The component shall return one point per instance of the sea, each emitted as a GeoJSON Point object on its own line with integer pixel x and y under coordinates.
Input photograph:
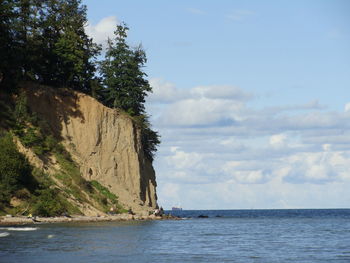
{"type": "Point", "coordinates": [308, 235]}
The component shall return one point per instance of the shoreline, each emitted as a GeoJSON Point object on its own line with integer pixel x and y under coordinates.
{"type": "Point", "coordinates": [23, 220]}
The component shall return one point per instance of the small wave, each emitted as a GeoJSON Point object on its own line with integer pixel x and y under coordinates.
{"type": "Point", "coordinates": [50, 236]}
{"type": "Point", "coordinates": [21, 228]}
{"type": "Point", "coordinates": [4, 234]}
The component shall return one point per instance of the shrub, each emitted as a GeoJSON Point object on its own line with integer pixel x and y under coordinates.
{"type": "Point", "coordinates": [105, 192]}
{"type": "Point", "coordinates": [48, 203]}
{"type": "Point", "coordinates": [15, 170]}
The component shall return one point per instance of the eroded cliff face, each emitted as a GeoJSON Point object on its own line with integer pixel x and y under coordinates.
{"type": "Point", "coordinates": [105, 143]}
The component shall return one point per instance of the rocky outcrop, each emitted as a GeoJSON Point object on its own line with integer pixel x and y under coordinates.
{"type": "Point", "coordinates": [105, 143]}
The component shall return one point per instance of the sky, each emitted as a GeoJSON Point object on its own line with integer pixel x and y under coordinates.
{"type": "Point", "coordinates": [251, 98]}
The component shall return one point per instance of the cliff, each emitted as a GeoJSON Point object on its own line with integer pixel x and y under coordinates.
{"type": "Point", "coordinates": [104, 143]}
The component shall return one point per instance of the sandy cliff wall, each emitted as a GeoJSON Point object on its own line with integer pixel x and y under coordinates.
{"type": "Point", "coordinates": [105, 143]}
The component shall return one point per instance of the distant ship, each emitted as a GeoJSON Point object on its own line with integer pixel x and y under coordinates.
{"type": "Point", "coordinates": [176, 208]}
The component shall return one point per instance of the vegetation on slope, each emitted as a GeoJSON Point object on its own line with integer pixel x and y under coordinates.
{"type": "Point", "coordinates": [36, 190]}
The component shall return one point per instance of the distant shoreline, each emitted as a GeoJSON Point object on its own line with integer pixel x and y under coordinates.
{"type": "Point", "coordinates": [22, 220]}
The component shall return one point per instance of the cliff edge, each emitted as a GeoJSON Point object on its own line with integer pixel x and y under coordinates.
{"type": "Point", "coordinates": [104, 143]}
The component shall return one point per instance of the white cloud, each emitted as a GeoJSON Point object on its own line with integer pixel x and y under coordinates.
{"type": "Point", "coordinates": [171, 193]}
{"type": "Point", "coordinates": [183, 160]}
{"type": "Point", "coordinates": [278, 140]}
{"type": "Point", "coordinates": [251, 177]}
{"type": "Point", "coordinates": [103, 30]}
{"type": "Point", "coordinates": [317, 167]}
{"type": "Point", "coordinates": [164, 92]}
{"type": "Point", "coordinates": [206, 104]}
{"type": "Point", "coordinates": [221, 92]}
{"type": "Point", "coordinates": [249, 171]}
{"type": "Point", "coordinates": [202, 111]}
{"type": "Point", "coordinates": [326, 147]}
{"type": "Point", "coordinates": [347, 107]}
{"type": "Point", "coordinates": [167, 92]}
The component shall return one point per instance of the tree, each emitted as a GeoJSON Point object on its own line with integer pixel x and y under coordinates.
{"type": "Point", "coordinates": [45, 41]}
{"type": "Point", "coordinates": [69, 53]}
{"type": "Point", "coordinates": [8, 63]}
{"type": "Point", "coordinates": [124, 81]}
{"type": "Point", "coordinates": [150, 139]}
{"type": "Point", "coordinates": [125, 85]}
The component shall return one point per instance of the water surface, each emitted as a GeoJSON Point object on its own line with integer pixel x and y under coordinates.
{"type": "Point", "coordinates": [225, 236]}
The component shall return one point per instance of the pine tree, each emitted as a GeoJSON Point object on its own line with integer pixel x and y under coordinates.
{"type": "Point", "coordinates": [123, 78]}
{"type": "Point", "coordinates": [29, 37]}
{"type": "Point", "coordinates": [45, 41]}
{"type": "Point", "coordinates": [69, 52]}
{"type": "Point", "coordinates": [9, 71]}
{"type": "Point", "coordinates": [125, 85]}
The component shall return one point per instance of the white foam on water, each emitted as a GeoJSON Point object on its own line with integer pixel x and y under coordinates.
{"type": "Point", "coordinates": [50, 236]}
{"type": "Point", "coordinates": [4, 234]}
{"type": "Point", "coordinates": [21, 228]}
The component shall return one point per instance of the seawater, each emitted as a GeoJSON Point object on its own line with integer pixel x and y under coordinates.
{"type": "Point", "coordinates": [225, 236]}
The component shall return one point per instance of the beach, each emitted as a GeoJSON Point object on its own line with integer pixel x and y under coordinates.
{"type": "Point", "coordinates": [23, 220]}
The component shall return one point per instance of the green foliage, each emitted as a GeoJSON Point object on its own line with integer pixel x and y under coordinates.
{"type": "Point", "coordinates": [15, 171]}
{"type": "Point", "coordinates": [9, 72]}
{"type": "Point", "coordinates": [29, 135]}
{"type": "Point", "coordinates": [48, 203]}
{"type": "Point", "coordinates": [71, 178]}
{"type": "Point", "coordinates": [17, 178]}
{"type": "Point", "coordinates": [149, 138]}
{"type": "Point", "coordinates": [46, 200]}
{"type": "Point", "coordinates": [21, 109]}
{"type": "Point", "coordinates": [105, 197]}
{"type": "Point", "coordinates": [7, 119]}
{"type": "Point", "coordinates": [69, 168]}
{"type": "Point", "coordinates": [45, 41]}
{"type": "Point", "coordinates": [104, 191]}
{"type": "Point", "coordinates": [71, 50]}
{"type": "Point", "coordinates": [124, 81]}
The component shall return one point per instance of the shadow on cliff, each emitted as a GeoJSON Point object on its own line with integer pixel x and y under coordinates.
{"type": "Point", "coordinates": [54, 107]}
{"type": "Point", "coordinates": [146, 182]}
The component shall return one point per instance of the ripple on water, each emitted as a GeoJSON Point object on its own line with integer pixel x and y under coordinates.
{"type": "Point", "coordinates": [4, 234]}
{"type": "Point", "coordinates": [20, 228]}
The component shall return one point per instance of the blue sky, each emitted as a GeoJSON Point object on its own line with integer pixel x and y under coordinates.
{"type": "Point", "coordinates": [251, 98]}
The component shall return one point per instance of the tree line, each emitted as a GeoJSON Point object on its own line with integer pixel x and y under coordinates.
{"type": "Point", "coordinates": [46, 42]}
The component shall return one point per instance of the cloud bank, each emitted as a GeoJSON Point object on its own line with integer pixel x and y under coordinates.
{"type": "Point", "coordinates": [219, 151]}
